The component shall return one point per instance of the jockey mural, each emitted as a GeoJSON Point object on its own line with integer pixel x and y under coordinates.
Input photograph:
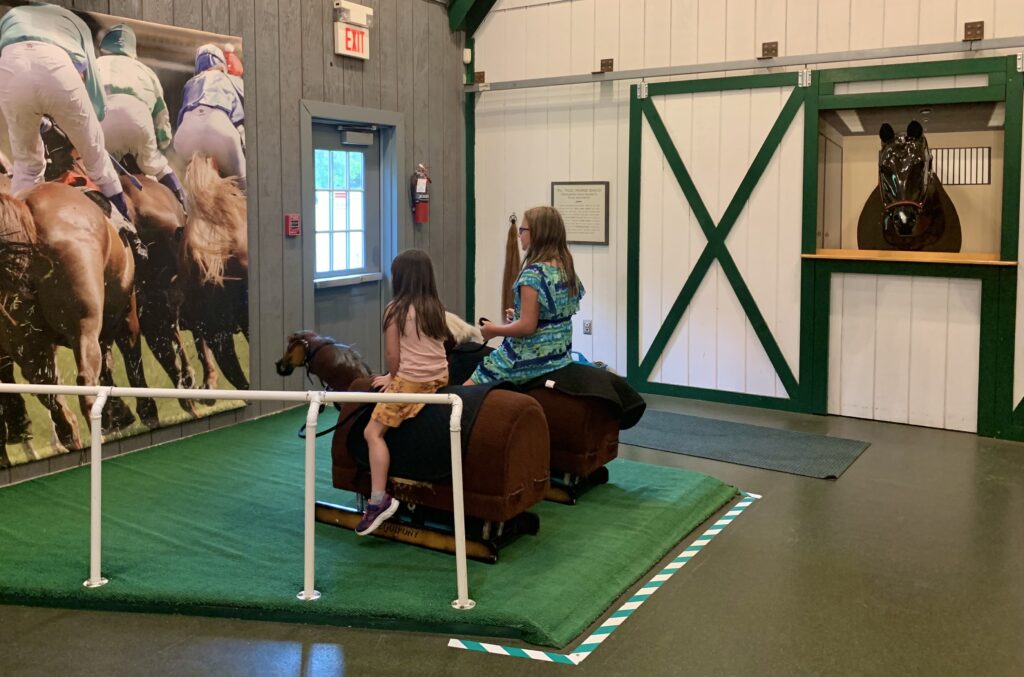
{"type": "Point", "coordinates": [123, 225]}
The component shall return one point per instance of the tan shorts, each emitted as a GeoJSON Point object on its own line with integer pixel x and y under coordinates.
{"type": "Point", "coordinates": [391, 414]}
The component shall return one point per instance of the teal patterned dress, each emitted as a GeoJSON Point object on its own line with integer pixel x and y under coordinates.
{"type": "Point", "coordinates": [522, 358]}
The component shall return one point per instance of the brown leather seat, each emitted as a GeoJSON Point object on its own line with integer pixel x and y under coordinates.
{"type": "Point", "coordinates": [584, 432]}
{"type": "Point", "coordinates": [505, 465]}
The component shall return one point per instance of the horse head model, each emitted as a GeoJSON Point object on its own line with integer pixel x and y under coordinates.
{"type": "Point", "coordinates": [336, 365]}
{"type": "Point", "coordinates": [910, 209]}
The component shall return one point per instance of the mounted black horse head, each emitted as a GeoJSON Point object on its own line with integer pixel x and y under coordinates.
{"type": "Point", "coordinates": [905, 182]}
{"type": "Point", "coordinates": [909, 209]}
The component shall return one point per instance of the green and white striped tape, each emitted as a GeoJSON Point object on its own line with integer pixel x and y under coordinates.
{"type": "Point", "coordinates": [618, 617]}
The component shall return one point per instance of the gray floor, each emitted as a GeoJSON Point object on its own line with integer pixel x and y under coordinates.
{"type": "Point", "coordinates": [912, 563]}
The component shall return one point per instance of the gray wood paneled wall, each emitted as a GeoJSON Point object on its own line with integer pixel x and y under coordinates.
{"type": "Point", "coordinates": [415, 68]}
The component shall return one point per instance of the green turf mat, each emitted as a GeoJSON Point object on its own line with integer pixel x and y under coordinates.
{"type": "Point", "coordinates": [212, 525]}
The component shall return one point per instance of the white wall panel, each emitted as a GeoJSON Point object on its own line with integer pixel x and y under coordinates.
{"type": "Point", "coordinates": [761, 225]}
{"type": "Point", "coordinates": [905, 349]}
{"type": "Point", "coordinates": [529, 138]}
{"type": "Point", "coordinates": [681, 232]}
{"type": "Point", "coordinates": [581, 131]}
{"type": "Point", "coordinates": [892, 348]}
{"type": "Point", "coordinates": [930, 308]}
{"type": "Point", "coordinates": [834, 26]}
{"type": "Point", "coordinates": [1009, 18]}
{"type": "Point", "coordinates": [802, 26]}
{"type": "Point", "coordinates": [964, 345]}
{"type": "Point", "coordinates": [652, 169]}
{"type": "Point", "coordinates": [787, 310]}
{"type": "Point", "coordinates": [734, 130]}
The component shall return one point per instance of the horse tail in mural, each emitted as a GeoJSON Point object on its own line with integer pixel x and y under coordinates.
{"type": "Point", "coordinates": [215, 228]}
{"type": "Point", "coordinates": [512, 266]}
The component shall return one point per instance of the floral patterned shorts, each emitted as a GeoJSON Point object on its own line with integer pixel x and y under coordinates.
{"type": "Point", "coordinates": [392, 414]}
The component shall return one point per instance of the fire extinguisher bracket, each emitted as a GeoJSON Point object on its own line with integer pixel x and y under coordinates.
{"type": "Point", "coordinates": [419, 188]}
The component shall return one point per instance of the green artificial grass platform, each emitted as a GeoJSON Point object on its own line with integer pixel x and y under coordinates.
{"type": "Point", "coordinates": [212, 525]}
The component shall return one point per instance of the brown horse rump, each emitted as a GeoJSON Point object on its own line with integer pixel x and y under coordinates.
{"type": "Point", "coordinates": [420, 448]}
{"type": "Point", "coordinates": [580, 380]}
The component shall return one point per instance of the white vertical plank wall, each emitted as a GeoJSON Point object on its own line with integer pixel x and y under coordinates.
{"type": "Point", "coordinates": [527, 139]}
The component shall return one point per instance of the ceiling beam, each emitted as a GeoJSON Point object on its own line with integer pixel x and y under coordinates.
{"type": "Point", "coordinates": [458, 10]}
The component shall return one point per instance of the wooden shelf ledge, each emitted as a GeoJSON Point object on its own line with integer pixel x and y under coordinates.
{"type": "Point", "coordinates": [968, 258]}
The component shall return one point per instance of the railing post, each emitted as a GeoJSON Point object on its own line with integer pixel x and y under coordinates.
{"type": "Point", "coordinates": [455, 426]}
{"type": "Point", "coordinates": [96, 491]}
{"type": "Point", "coordinates": [309, 593]}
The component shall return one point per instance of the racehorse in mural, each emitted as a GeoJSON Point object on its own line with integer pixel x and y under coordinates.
{"type": "Point", "coordinates": [215, 268]}
{"type": "Point", "coordinates": [66, 279]}
{"type": "Point", "coordinates": [160, 220]}
{"type": "Point", "coordinates": [909, 210]}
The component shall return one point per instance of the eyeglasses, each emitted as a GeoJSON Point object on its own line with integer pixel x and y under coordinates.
{"type": "Point", "coordinates": [524, 229]}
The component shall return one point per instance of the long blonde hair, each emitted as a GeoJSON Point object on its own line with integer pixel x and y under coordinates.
{"type": "Point", "coordinates": [547, 243]}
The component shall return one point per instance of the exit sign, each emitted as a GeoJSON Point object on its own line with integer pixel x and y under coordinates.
{"type": "Point", "coordinates": [351, 40]}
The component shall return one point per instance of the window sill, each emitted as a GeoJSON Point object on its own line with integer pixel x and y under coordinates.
{"type": "Point", "coordinates": [346, 280]}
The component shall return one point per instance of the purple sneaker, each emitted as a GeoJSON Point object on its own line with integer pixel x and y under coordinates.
{"type": "Point", "coordinates": [375, 515]}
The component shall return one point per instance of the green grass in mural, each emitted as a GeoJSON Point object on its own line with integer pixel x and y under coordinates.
{"type": "Point", "coordinates": [170, 412]}
{"type": "Point", "coordinates": [213, 525]}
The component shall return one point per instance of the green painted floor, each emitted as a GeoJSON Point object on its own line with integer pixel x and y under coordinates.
{"type": "Point", "coordinates": [911, 564]}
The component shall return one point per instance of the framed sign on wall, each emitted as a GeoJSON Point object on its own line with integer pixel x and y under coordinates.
{"type": "Point", "coordinates": [584, 208]}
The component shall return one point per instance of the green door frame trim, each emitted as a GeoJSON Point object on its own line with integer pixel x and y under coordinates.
{"type": "Point", "coordinates": [638, 370]}
{"type": "Point", "coordinates": [997, 415]}
{"type": "Point", "coordinates": [998, 302]}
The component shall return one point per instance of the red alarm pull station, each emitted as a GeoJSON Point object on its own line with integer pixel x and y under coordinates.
{"type": "Point", "coordinates": [292, 226]}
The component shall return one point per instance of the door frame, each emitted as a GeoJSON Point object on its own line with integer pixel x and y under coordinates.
{"type": "Point", "coordinates": [391, 131]}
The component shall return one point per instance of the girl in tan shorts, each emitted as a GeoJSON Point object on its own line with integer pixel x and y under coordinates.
{"type": "Point", "coordinates": [414, 334]}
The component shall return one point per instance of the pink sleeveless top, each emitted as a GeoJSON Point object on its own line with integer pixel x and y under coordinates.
{"type": "Point", "coordinates": [421, 358]}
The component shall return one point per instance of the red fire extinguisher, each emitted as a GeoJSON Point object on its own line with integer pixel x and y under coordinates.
{"type": "Point", "coordinates": [420, 195]}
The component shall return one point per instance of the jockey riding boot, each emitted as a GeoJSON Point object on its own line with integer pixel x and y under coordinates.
{"type": "Point", "coordinates": [126, 229]}
{"type": "Point", "coordinates": [171, 181]}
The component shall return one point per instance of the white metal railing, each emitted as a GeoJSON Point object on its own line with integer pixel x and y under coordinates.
{"type": "Point", "coordinates": [315, 399]}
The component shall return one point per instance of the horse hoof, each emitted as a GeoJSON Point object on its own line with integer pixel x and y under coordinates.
{"type": "Point", "coordinates": [122, 421]}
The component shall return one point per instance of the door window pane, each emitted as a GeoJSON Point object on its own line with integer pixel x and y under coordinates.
{"type": "Point", "coordinates": [340, 252]}
{"type": "Point", "coordinates": [323, 210]}
{"type": "Point", "coordinates": [340, 204]}
{"type": "Point", "coordinates": [355, 170]}
{"type": "Point", "coordinates": [356, 250]}
{"type": "Point", "coordinates": [323, 252]}
{"type": "Point", "coordinates": [338, 176]}
{"type": "Point", "coordinates": [355, 210]}
{"type": "Point", "coordinates": [322, 168]}
{"type": "Point", "coordinates": [340, 211]}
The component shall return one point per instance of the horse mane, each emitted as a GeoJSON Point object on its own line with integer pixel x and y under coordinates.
{"type": "Point", "coordinates": [512, 266]}
{"type": "Point", "coordinates": [16, 222]}
{"type": "Point", "coordinates": [217, 213]}
{"type": "Point", "coordinates": [461, 331]}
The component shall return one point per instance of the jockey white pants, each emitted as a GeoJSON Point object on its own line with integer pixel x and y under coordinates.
{"type": "Point", "coordinates": [128, 128]}
{"type": "Point", "coordinates": [38, 78]}
{"type": "Point", "coordinates": [209, 131]}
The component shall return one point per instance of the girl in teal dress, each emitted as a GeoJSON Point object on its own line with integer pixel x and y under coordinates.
{"type": "Point", "coordinates": [547, 293]}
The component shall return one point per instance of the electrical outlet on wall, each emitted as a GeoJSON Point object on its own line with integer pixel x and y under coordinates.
{"type": "Point", "coordinates": [588, 327]}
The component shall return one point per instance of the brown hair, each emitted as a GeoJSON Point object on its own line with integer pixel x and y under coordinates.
{"type": "Point", "coordinates": [412, 284]}
{"type": "Point", "coordinates": [547, 243]}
